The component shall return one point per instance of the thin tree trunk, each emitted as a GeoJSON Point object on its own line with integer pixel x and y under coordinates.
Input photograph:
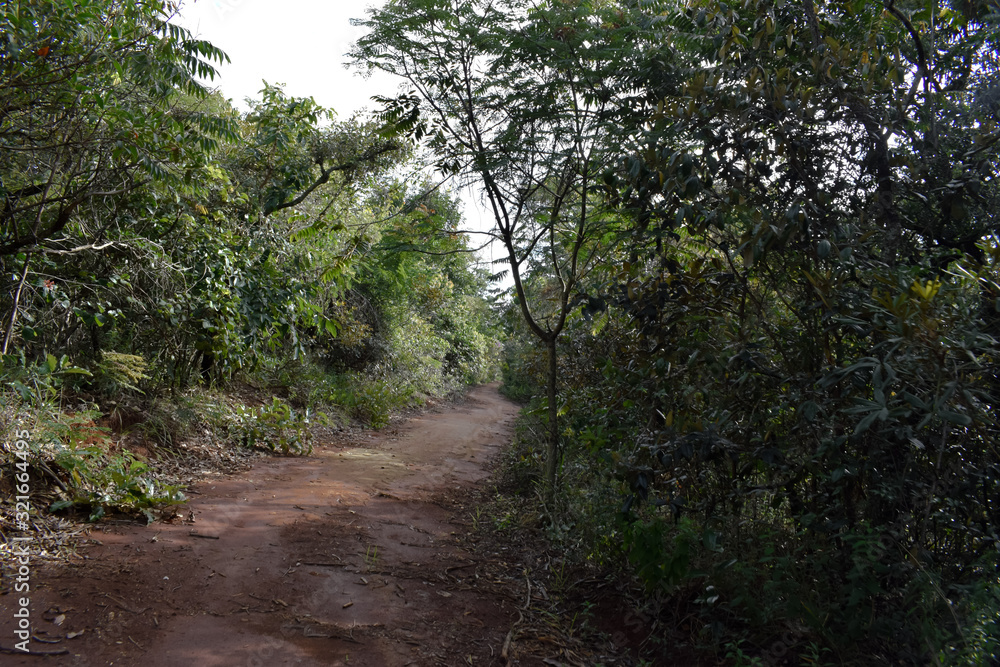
{"type": "Point", "coordinates": [552, 451]}
{"type": "Point", "coordinates": [12, 320]}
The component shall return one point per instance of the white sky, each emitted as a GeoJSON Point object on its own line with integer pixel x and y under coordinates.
{"type": "Point", "coordinates": [302, 44]}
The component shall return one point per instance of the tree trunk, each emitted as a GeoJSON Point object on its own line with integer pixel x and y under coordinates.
{"type": "Point", "coordinates": [15, 301]}
{"type": "Point", "coordinates": [552, 451]}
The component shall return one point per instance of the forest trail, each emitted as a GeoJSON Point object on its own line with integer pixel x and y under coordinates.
{"type": "Point", "coordinates": [351, 556]}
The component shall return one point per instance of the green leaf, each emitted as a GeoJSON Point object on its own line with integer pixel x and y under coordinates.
{"type": "Point", "coordinates": [76, 370]}
{"type": "Point", "coordinates": [915, 401]}
{"type": "Point", "coordinates": [866, 423]}
{"type": "Point", "coordinates": [956, 417]}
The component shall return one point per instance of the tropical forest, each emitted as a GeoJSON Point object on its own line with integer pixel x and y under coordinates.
{"type": "Point", "coordinates": [712, 381]}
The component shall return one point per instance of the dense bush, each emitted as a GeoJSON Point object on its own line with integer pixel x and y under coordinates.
{"type": "Point", "coordinates": [790, 361]}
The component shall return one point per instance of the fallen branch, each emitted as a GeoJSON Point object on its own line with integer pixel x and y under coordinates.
{"type": "Point", "coordinates": [323, 564]}
{"type": "Point", "coordinates": [460, 567]}
{"type": "Point", "coordinates": [122, 605]}
{"type": "Point", "coordinates": [510, 637]}
{"type": "Point", "coordinates": [11, 651]}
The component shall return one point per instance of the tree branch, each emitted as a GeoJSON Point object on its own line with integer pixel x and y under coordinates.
{"type": "Point", "coordinates": [923, 72]}
{"type": "Point", "coordinates": [325, 174]}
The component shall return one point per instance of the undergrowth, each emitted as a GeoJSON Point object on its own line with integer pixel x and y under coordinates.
{"type": "Point", "coordinates": [98, 455]}
{"type": "Point", "coordinates": [70, 451]}
{"type": "Point", "coordinates": [569, 594]}
{"type": "Point", "coordinates": [758, 593]}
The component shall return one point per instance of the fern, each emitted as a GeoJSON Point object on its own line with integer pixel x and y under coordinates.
{"type": "Point", "coordinates": [123, 370]}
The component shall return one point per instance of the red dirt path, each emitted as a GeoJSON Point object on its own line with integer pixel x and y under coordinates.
{"type": "Point", "coordinates": [347, 557]}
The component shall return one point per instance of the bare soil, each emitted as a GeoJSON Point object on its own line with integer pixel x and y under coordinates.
{"type": "Point", "coordinates": [354, 555]}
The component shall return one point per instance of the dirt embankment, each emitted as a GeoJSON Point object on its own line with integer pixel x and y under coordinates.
{"type": "Point", "coordinates": [348, 557]}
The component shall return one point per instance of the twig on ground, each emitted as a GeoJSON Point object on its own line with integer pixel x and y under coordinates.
{"type": "Point", "coordinates": [122, 605]}
{"type": "Point", "coordinates": [510, 637]}
{"type": "Point", "coordinates": [10, 651]}
{"type": "Point", "coordinates": [527, 602]}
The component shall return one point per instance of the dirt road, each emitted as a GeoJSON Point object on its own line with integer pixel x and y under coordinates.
{"type": "Point", "coordinates": [349, 557]}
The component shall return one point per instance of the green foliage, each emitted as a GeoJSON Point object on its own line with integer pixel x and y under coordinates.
{"type": "Point", "coordinates": [373, 400]}
{"type": "Point", "coordinates": [644, 542]}
{"type": "Point", "coordinates": [275, 427]}
{"type": "Point", "coordinates": [41, 383]}
{"type": "Point", "coordinates": [830, 495]}
{"type": "Point", "coordinates": [796, 347]}
{"type": "Point", "coordinates": [93, 475]}
{"type": "Point", "coordinates": [122, 371]}
{"type": "Point", "coordinates": [103, 482]}
{"type": "Point", "coordinates": [979, 642]}
{"type": "Point", "coordinates": [738, 658]}
{"type": "Point", "coordinates": [291, 148]}
{"type": "Point", "coordinates": [155, 239]}
{"type": "Point", "coordinates": [523, 367]}
{"type": "Point", "coordinates": [87, 88]}
{"type": "Point", "coordinates": [368, 398]}
{"type": "Point", "coordinates": [414, 324]}
{"type": "Point", "coordinates": [161, 239]}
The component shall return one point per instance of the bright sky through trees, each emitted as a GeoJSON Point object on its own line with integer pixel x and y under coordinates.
{"type": "Point", "coordinates": [302, 44]}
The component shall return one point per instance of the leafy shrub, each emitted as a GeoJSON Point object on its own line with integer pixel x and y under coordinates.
{"type": "Point", "coordinates": [117, 372]}
{"type": "Point", "coordinates": [275, 427]}
{"type": "Point", "coordinates": [103, 482]}
{"type": "Point", "coordinates": [827, 471]}
{"type": "Point", "coordinates": [39, 383]}
{"type": "Point", "coordinates": [374, 400]}
{"type": "Point", "coordinates": [979, 640]}
{"type": "Point", "coordinates": [96, 477]}
{"type": "Point", "coordinates": [658, 567]}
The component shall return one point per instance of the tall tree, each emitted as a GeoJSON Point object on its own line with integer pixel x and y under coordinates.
{"type": "Point", "coordinates": [831, 345]}
{"type": "Point", "coordinates": [515, 97]}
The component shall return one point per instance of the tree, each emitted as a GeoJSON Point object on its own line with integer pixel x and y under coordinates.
{"type": "Point", "coordinates": [292, 148]}
{"type": "Point", "coordinates": [809, 324]}
{"type": "Point", "coordinates": [86, 91]}
{"type": "Point", "coordinates": [841, 150]}
{"type": "Point", "coordinates": [274, 241]}
{"type": "Point", "coordinates": [515, 97]}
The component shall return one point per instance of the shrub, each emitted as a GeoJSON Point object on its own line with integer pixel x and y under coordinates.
{"type": "Point", "coordinates": [275, 427]}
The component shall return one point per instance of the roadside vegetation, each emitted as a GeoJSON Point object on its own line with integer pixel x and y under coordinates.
{"type": "Point", "coordinates": [755, 245]}
{"type": "Point", "coordinates": [177, 271]}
